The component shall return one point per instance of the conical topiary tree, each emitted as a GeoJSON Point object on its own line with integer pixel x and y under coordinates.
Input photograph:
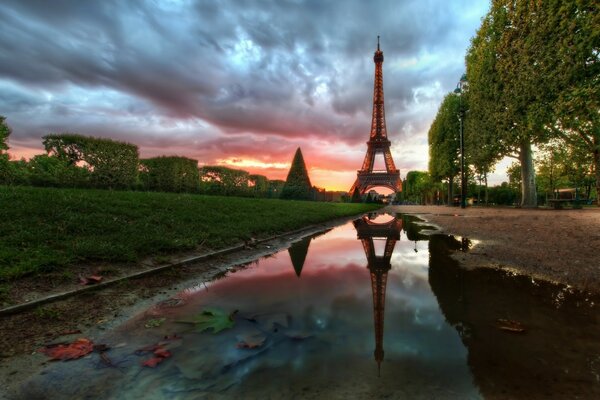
{"type": "Point", "coordinates": [298, 252]}
{"type": "Point", "coordinates": [297, 185]}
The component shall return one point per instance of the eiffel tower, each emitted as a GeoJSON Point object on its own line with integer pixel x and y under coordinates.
{"type": "Point", "coordinates": [378, 142]}
{"type": "Point", "coordinates": [367, 231]}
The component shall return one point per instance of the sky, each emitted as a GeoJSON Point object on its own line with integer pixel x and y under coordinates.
{"type": "Point", "coordinates": [236, 83]}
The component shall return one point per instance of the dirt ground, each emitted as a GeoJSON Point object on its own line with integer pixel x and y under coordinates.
{"type": "Point", "coordinates": [556, 245]}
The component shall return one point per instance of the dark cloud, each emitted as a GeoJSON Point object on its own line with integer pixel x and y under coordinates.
{"type": "Point", "coordinates": [291, 70]}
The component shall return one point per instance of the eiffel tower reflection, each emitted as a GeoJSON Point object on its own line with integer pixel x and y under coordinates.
{"type": "Point", "coordinates": [369, 230]}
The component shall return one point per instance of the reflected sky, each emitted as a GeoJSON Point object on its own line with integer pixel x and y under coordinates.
{"type": "Point", "coordinates": [318, 328]}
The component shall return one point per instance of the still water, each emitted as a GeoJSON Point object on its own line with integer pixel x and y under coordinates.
{"type": "Point", "coordinates": [368, 310]}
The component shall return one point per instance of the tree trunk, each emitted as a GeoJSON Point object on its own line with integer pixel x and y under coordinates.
{"type": "Point", "coordinates": [450, 196]}
{"type": "Point", "coordinates": [528, 190]}
{"type": "Point", "coordinates": [486, 187]}
{"type": "Point", "coordinates": [479, 191]}
{"type": "Point", "coordinates": [597, 167]}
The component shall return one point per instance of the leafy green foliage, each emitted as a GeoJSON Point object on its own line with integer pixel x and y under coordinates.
{"type": "Point", "coordinates": [225, 181]}
{"type": "Point", "coordinates": [258, 185]}
{"type": "Point", "coordinates": [44, 170]}
{"type": "Point", "coordinates": [213, 318]}
{"type": "Point", "coordinates": [297, 185]}
{"type": "Point", "coordinates": [112, 164]}
{"type": "Point", "coordinates": [503, 194]}
{"type": "Point", "coordinates": [419, 188]}
{"type": "Point", "coordinates": [47, 229]}
{"type": "Point", "coordinates": [4, 163]}
{"type": "Point", "coordinates": [444, 140]}
{"type": "Point", "coordinates": [275, 188]}
{"type": "Point", "coordinates": [534, 75]}
{"type": "Point", "coordinates": [169, 174]}
{"type": "Point", "coordinates": [4, 134]}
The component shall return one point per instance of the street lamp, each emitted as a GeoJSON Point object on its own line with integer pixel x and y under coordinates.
{"type": "Point", "coordinates": [461, 116]}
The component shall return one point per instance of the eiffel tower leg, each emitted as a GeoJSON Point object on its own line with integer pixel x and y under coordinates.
{"type": "Point", "coordinates": [389, 161]}
{"type": "Point", "coordinates": [369, 160]}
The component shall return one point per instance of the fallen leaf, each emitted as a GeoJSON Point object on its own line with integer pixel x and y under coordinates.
{"type": "Point", "coordinates": [212, 318]}
{"type": "Point", "coordinates": [90, 280]}
{"type": "Point", "coordinates": [162, 352]}
{"type": "Point", "coordinates": [510, 326]}
{"type": "Point", "coordinates": [152, 362]}
{"type": "Point", "coordinates": [72, 351]}
{"type": "Point", "coordinates": [155, 322]}
{"type": "Point", "coordinates": [251, 341]}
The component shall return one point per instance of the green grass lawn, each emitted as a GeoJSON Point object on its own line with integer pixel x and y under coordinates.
{"type": "Point", "coordinates": [46, 229]}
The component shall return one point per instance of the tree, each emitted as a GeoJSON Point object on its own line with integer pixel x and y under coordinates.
{"type": "Point", "coordinates": [112, 164]}
{"type": "Point", "coordinates": [5, 132]}
{"type": "Point", "coordinates": [169, 174]}
{"type": "Point", "coordinates": [297, 185]}
{"type": "Point", "coordinates": [275, 188]}
{"type": "Point", "coordinates": [571, 43]}
{"type": "Point", "coordinates": [533, 71]}
{"type": "Point", "coordinates": [497, 102]}
{"type": "Point", "coordinates": [419, 187]}
{"type": "Point", "coordinates": [356, 197]}
{"type": "Point", "coordinates": [44, 170]}
{"type": "Point", "coordinates": [219, 180]}
{"type": "Point", "coordinates": [444, 142]}
{"type": "Point", "coordinates": [258, 185]}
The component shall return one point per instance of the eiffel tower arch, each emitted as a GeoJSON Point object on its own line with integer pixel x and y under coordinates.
{"type": "Point", "coordinates": [378, 143]}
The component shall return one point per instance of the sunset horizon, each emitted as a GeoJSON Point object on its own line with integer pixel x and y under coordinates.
{"type": "Point", "coordinates": [235, 95]}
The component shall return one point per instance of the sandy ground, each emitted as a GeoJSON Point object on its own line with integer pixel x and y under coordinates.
{"type": "Point", "coordinates": [556, 245]}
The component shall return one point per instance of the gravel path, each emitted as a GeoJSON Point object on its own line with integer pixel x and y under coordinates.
{"type": "Point", "coordinates": [557, 245]}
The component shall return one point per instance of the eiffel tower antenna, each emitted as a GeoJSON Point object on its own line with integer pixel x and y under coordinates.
{"type": "Point", "coordinates": [378, 142]}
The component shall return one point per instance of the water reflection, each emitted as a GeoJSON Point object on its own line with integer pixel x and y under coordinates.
{"type": "Point", "coordinates": [558, 355]}
{"type": "Point", "coordinates": [315, 321]}
{"type": "Point", "coordinates": [371, 229]}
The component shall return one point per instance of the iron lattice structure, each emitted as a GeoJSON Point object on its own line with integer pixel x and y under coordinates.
{"type": "Point", "coordinates": [378, 142]}
{"type": "Point", "coordinates": [378, 265]}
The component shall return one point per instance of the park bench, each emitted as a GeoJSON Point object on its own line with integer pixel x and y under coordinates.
{"type": "Point", "coordinates": [557, 204]}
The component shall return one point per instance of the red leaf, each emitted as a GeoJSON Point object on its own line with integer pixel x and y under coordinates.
{"type": "Point", "coordinates": [153, 362]}
{"type": "Point", "coordinates": [72, 351]}
{"type": "Point", "coordinates": [162, 352]}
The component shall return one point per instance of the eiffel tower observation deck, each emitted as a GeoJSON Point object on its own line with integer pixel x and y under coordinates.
{"type": "Point", "coordinates": [378, 143]}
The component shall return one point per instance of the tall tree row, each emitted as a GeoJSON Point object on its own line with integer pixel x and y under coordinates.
{"type": "Point", "coordinates": [533, 76]}
{"type": "Point", "coordinates": [444, 143]}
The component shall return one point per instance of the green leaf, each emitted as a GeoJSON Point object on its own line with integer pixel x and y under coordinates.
{"type": "Point", "coordinates": [213, 318]}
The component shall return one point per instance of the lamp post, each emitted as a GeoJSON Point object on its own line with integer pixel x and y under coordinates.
{"type": "Point", "coordinates": [461, 116]}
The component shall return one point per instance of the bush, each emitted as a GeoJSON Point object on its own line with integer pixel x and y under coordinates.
{"type": "Point", "coordinates": [224, 181]}
{"type": "Point", "coordinates": [112, 164]}
{"type": "Point", "coordinates": [169, 174]}
{"type": "Point", "coordinates": [44, 170]}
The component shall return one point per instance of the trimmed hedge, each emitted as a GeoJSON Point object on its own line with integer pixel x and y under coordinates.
{"type": "Point", "coordinates": [112, 164]}
{"type": "Point", "coordinates": [169, 174]}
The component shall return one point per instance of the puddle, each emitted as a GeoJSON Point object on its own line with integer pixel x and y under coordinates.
{"type": "Point", "coordinates": [371, 309]}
